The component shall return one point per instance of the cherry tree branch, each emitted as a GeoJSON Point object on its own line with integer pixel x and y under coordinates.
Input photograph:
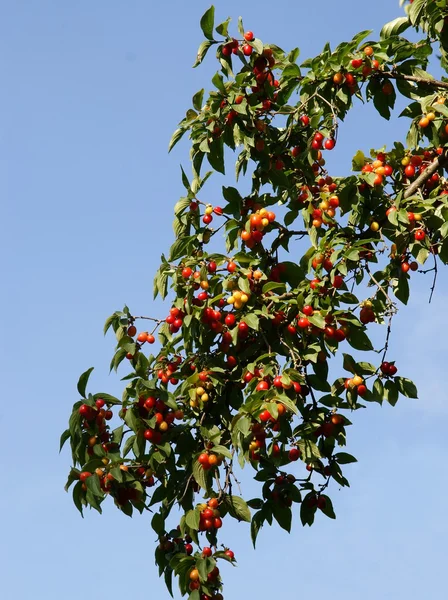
{"type": "Point", "coordinates": [440, 161]}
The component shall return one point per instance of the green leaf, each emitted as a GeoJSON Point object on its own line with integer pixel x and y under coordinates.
{"type": "Point", "coordinates": [358, 161]}
{"type": "Point", "coordinates": [416, 10]}
{"type": "Point", "coordinates": [406, 387]}
{"type": "Point", "coordinates": [207, 22]}
{"type": "Point", "coordinates": [197, 99]}
{"type": "Point", "coordinates": [307, 511]}
{"type": "Point", "coordinates": [272, 285]}
{"type": "Point", "coordinates": [401, 289]}
{"type": "Point", "coordinates": [202, 51]}
{"type": "Point", "coordinates": [359, 340]}
{"type": "Point", "coordinates": [200, 475]}
{"type": "Point", "coordinates": [391, 392]}
{"type": "Point", "coordinates": [286, 401]}
{"type": "Point", "coordinates": [394, 27]}
{"type": "Point", "coordinates": [82, 383]}
{"type": "Point", "coordinates": [174, 139]}
{"type": "Point", "coordinates": [283, 516]}
{"type": "Point", "coordinates": [192, 519]}
{"type": "Point", "coordinates": [256, 525]}
{"type": "Point", "coordinates": [349, 363]}
{"type": "Point", "coordinates": [252, 320]}
{"type": "Point", "coordinates": [64, 437]}
{"type": "Point", "coordinates": [328, 508]}
{"type": "Point", "coordinates": [318, 384]}
{"type": "Point", "coordinates": [344, 459]}
{"type": "Point", "coordinates": [237, 507]}
{"type": "Point", "coordinates": [222, 28]}
{"type": "Point", "coordinates": [158, 523]}
{"type": "Point", "coordinates": [223, 451]}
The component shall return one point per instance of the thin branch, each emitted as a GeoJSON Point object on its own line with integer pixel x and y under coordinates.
{"type": "Point", "coordinates": [440, 161]}
{"type": "Point", "coordinates": [419, 80]}
{"type": "Point", "coordinates": [380, 287]}
{"type": "Point", "coordinates": [433, 287]}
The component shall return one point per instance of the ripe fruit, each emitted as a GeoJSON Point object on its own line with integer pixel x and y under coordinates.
{"type": "Point", "coordinates": [419, 235]}
{"type": "Point", "coordinates": [409, 171]}
{"type": "Point", "coordinates": [308, 310]}
{"type": "Point", "coordinates": [203, 459]}
{"type": "Point", "coordinates": [132, 330]}
{"type": "Point", "coordinates": [338, 281]}
{"type": "Point", "coordinates": [303, 323]}
{"type": "Point", "coordinates": [206, 551]}
{"type": "Point", "coordinates": [329, 144]}
{"type": "Point", "coordinates": [230, 554]}
{"type": "Point", "coordinates": [247, 50]}
{"type": "Point", "coordinates": [249, 36]}
{"type": "Point", "coordinates": [294, 454]}
{"type": "Point", "coordinates": [194, 575]}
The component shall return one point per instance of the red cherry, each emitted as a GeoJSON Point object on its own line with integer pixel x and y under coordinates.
{"type": "Point", "coordinates": [339, 335]}
{"type": "Point", "coordinates": [294, 454]}
{"type": "Point", "coordinates": [204, 459]}
{"type": "Point", "coordinates": [247, 50]}
{"type": "Point", "coordinates": [362, 390]}
{"type": "Point", "coordinates": [231, 267]}
{"type": "Point", "coordinates": [249, 36]}
{"type": "Point", "coordinates": [419, 235]}
{"type": "Point", "coordinates": [265, 416]}
{"type": "Point", "coordinates": [409, 171]}
{"type": "Point", "coordinates": [303, 323]}
{"type": "Point", "coordinates": [206, 551]}
{"type": "Point", "coordinates": [230, 320]}
{"type": "Point", "coordinates": [188, 549]}
{"type": "Point", "coordinates": [230, 554]}
{"type": "Point", "coordinates": [278, 382]}
{"type": "Point", "coordinates": [262, 386]}
{"type": "Point", "coordinates": [392, 370]}
{"type": "Point", "coordinates": [338, 281]}
{"type": "Point", "coordinates": [187, 272]}
{"type": "Point", "coordinates": [329, 144]}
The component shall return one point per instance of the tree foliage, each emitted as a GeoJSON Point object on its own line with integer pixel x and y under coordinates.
{"type": "Point", "coordinates": [240, 374]}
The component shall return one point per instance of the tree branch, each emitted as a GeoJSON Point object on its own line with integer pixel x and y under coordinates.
{"type": "Point", "coordinates": [440, 161]}
{"type": "Point", "coordinates": [419, 80]}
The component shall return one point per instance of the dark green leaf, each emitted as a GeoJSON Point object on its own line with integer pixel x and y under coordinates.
{"type": "Point", "coordinates": [207, 22]}
{"type": "Point", "coordinates": [82, 383]}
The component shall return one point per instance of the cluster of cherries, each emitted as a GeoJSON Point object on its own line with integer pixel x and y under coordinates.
{"type": "Point", "coordinates": [95, 425]}
{"type": "Point", "coordinates": [166, 374]}
{"type": "Point", "coordinates": [152, 407]}
{"type": "Point", "coordinates": [258, 222]}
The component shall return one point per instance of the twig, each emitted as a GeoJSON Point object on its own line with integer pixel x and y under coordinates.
{"type": "Point", "coordinates": [381, 288]}
{"type": "Point", "coordinates": [420, 80]}
{"type": "Point", "coordinates": [427, 173]}
{"type": "Point", "coordinates": [433, 287]}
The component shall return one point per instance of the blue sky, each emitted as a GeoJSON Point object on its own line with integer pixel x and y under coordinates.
{"type": "Point", "coordinates": [91, 94]}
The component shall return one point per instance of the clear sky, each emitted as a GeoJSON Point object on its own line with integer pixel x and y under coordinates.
{"type": "Point", "coordinates": [91, 92]}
